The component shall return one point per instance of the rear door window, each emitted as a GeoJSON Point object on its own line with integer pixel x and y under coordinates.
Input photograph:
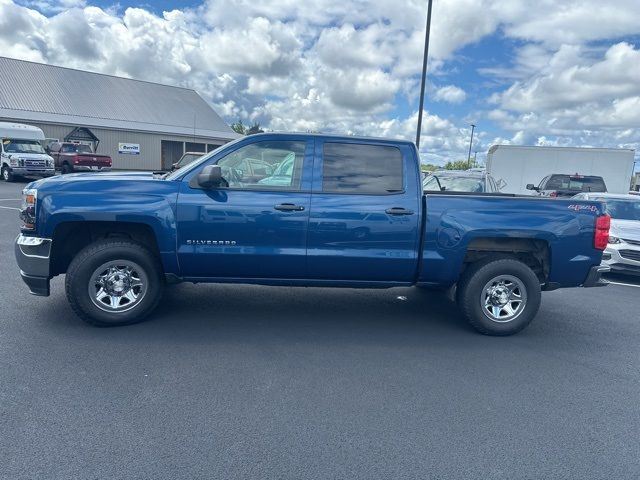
{"type": "Point", "coordinates": [361, 169]}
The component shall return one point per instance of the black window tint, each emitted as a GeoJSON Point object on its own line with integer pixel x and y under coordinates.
{"type": "Point", "coordinates": [576, 183]}
{"type": "Point", "coordinates": [365, 169]}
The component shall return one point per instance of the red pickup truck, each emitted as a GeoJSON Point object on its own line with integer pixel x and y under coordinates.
{"type": "Point", "coordinates": [74, 157]}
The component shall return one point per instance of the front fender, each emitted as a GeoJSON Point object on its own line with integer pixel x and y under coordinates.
{"type": "Point", "coordinates": [155, 211]}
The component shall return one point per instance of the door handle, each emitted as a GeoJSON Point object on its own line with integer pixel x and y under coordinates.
{"type": "Point", "coordinates": [289, 207]}
{"type": "Point", "coordinates": [398, 211]}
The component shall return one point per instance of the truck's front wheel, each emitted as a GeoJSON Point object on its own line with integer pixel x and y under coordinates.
{"type": "Point", "coordinates": [114, 282]}
{"type": "Point", "coordinates": [7, 174]}
{"type": "Point", "coordinates": [499, 296]}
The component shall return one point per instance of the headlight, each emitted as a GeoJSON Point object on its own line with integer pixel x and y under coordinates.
{"type": "Point", "coordinates": [13, 161]}
{"type": "Point", "coordinates": [28, 211]}
{"type": "Point", "coordinates": [613, 240]}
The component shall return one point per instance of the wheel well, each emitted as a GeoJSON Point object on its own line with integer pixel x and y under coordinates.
{"type": "Point", "coordinates": [536, 254]}
{"type": "Point", "coordinates": [71, 237]}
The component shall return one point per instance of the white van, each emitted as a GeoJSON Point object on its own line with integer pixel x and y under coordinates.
{"type": "Point", "coordinates": [21, 153]}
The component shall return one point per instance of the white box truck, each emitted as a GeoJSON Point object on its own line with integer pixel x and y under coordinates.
{"type": "Point", "coordinates": [518, 165]}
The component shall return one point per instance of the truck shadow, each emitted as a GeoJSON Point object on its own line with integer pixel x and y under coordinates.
{"type": "Point", "coordinates": [259, 315]}
{"type": "Point", "coordinates": [246, 313]}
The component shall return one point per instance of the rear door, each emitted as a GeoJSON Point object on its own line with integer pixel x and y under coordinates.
{"type": "Point", "coordinates": [255, 227]}
{"type": "Point", "coordinates": [364, 221]}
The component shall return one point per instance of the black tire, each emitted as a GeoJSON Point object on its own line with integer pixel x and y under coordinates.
{"type": "Point", "coordinates": [471, 296]}
{"type": "Point", "coordinates": [7, 175]}
{"type": "Point", "coordinates": [85, 265]}
{"type": "Point", "coordinates": [66, 168]}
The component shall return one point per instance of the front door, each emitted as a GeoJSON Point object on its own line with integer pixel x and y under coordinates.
{"type": "Point", "coordinates": [256, 227]}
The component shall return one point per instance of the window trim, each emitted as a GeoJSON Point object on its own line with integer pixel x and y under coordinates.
{"type": "Point", "coordinates": [321, 191]}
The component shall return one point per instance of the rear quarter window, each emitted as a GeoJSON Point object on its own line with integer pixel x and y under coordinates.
{"type": "Point", "coordinates": [361, 169]}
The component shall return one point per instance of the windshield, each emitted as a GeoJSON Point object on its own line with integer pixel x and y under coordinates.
{"type": "Point", "coordinates": [454, 184]}
{"type": "Point", "coordinates": [622, 209]}
{"type": "Point", "coordinates": [187, 158]}
{"type": "Point", "coordinates": [76, 148]}
{"type": "Point", "coordinates": [285, 168]}
{"type": "Point", "coordinates": [577, 184]}
{"type": "Point", "coordinates": [22, 146]}
{"type": "Point", "coordinates": [182, 171]}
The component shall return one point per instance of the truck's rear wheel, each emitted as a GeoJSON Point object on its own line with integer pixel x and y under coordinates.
{"type": "Point", "coordinates": [114, 282]}
{"type": "Point", "coordinates": [499, 296]}
{"type": "Point", "coordinates": [7, 175]}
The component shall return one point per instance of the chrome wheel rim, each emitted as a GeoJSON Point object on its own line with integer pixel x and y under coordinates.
{"type": "Point", "coordinates": [5, 173]}
{"type": "Point", "coordinates": [118, 286]}
{"type": "Point", "coordinates": [503, 298]}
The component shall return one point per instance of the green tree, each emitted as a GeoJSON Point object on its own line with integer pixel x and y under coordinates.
{"type": "Point", "coordinates": [456, 165]}
{"type": "Point", "coordinates": [239, 127]}
{"type": "Point", "coordinates": [253, 129]}
{"type": "Point", "coordinates": [242, 129]}
{"type": "Point", "coordinates": [428, 167]}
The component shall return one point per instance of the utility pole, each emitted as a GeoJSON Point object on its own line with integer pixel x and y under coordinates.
{"type": "Point", "coordinates": [473, 127]}
{"type": "Point", "coordinates": [424, 72]}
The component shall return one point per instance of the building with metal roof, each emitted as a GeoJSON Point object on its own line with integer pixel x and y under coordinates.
{"type": "Point", "coordinates": [140, 124]}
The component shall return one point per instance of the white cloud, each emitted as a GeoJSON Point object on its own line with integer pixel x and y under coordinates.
{"type": "Point", "coordinates": [341, 66]}
{"type": "Point", "coordinates": [570, 22]}
{"type": "Point", "coordinates": [450, 94]}
{"type": "Point", "coordinates": [572, 77]}
{"type": "Point", "coordinates": [345, 46]}
{"type": "Point", "coordinates": [580, 97]}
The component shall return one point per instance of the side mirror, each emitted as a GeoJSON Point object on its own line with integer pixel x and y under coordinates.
{"type": "Point", "coordinates": [531, 186]}
{"type": "Point", "coordinates": [210, 176]}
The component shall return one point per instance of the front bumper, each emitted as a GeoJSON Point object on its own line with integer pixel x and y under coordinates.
{"type": "Point", "coordinates": [33, 256]}
{"type": "Point", "coordinates": [594, 279]}
{"type": "Point", "coordinates": [29, 172]}
{"type": "Point", "coordinates": [616, 256]}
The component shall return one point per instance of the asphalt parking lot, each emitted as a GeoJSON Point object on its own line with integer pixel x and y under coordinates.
{"type": "Point", "coordinates": [263, 382]}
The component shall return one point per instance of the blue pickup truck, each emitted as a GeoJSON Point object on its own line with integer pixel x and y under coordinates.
{"type": "Point", "coordinates": [320, 211]}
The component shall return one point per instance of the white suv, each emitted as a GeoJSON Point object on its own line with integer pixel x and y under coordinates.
{"type": "Point", "coordinates": [623, 252]}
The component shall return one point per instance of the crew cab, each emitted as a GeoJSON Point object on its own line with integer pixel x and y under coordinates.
{"type": "Point", "coordinates": [330, 211]}
{"type": "Point", "coordinates": [77, 157]}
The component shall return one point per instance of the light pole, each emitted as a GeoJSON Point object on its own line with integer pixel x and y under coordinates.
{"type": "Point", "coordinates": [473, 127]}
{"type": "Point", "coordinates": [424, 72]}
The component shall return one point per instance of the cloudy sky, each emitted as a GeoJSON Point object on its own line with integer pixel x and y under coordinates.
{"type": "Point", "coordinates": [550, 72]}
